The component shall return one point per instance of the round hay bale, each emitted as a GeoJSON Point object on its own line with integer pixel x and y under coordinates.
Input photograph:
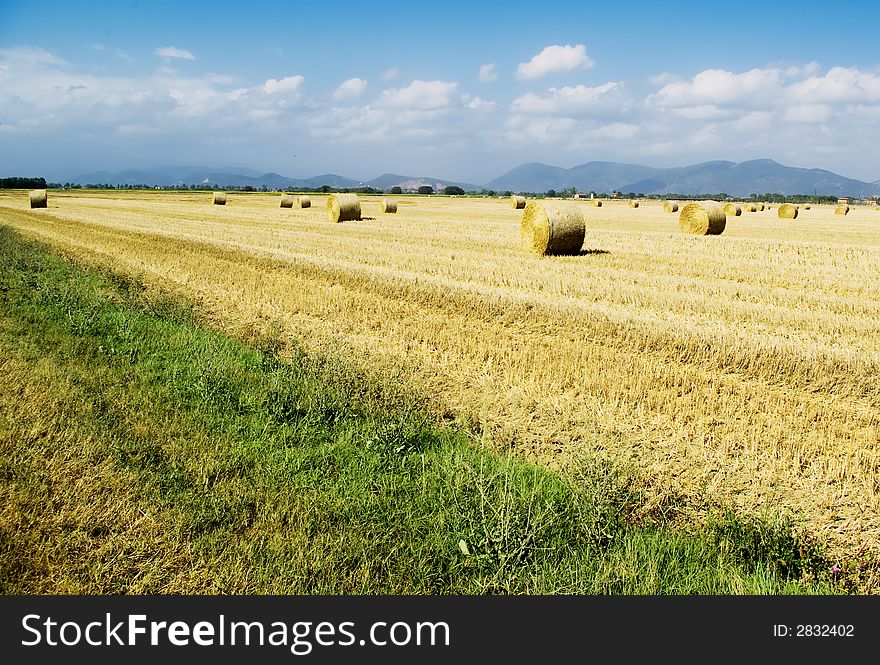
{"type": "Point", "coordinates": [633, 204]}
{"type": "Point", "coordinates": [760, 207]}
{"type": "Point", "coordinates": [219, 198]}
{"type": "Point", "coordinates": [517, 202]}
{"type": "Point", "coordinates": [806, 207]}
{"type": "Point", "coordinates": [702, 218]}
{"type": "Point", "coordinates": [732, 209]}
{"type": "Point", "coordinates": [787, 211]}
{"type": "Point", "coordinates": [841, 210]}
{"type": "Point", "coordinates": [286, 201]}
{"type": "Point", "coordinates": [305, 202]}
{"type": "Point", "coordinates": [596, 202]}
{"type": "Point", "coordinates": [750, 207]}
{"type": "Point", "coordinates": [343, 207]}
{"type": "Point", "coordinates": [38, 198]}
{"type": "Point", "coordinates": [670, 206]}
{"type": "Point", "coordinates": [389, 206]}
{"type": "Point", "coordinates": [552, 229]}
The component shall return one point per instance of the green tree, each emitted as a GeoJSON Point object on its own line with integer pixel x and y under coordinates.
{"type": "Point", "coordinates": [396, 190]}
{"type": "Point", "coordinates": [426, 189]}
{"type": "Point", "coordinates": [452, 189]}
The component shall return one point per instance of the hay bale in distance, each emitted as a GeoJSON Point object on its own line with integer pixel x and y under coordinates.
{"type": "Point", "coordinates": [806, 207]}
{"type": "Point", "coordinates": [517, 202]}
{"type": "Point", "coordinates": [841, 210]}
{"type": "Point", "coordinates": [732, 209]}
{"type": "Point", "coordinates": [633, 204]}
{"type": "Point", "coordinates": [787, 211]}
{"type": "Point", "coordinates": [389, 206]}
{"type": "Point", "coordinates": [760, 207]}
{"type": "Point", "coordinates": [305, 202]}
{"type": "Point", "coordinates": [750, 207]}
{"type": "Point", "coordinates": [597, 203]}
{"type": "Point", "coordinates": [38, 198]}
{"type": "Point", "coordinates": [286, 201]}
{"type": "Point", "coordinates": [344, 207]}
{"type": "Point", "coordinates": [702, 218]}
{"type": "Point", "coordinates": [670, 206]}
{"type": "Point", "coordinates": [219, 198]}
{"type": "Point", "coordinates": [552, 229]}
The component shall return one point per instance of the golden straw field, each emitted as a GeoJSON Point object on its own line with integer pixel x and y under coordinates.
{"type": "Point", "coordinates": [738, 370]}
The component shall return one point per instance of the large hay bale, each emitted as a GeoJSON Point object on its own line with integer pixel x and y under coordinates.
{"type": "Point", "coordinates": [552, 229]}
{"type": "Point", "coordinates": [670, 206]}
{"type": "Point", "coordinates": [732, 209]}
{"type": "Point", "coordinates": [286, 201]}
{"type": "Point", "coordinates": [343, 207]}
{"type": "Point", "coordinates": [760, 207]}
{"type": "Point", "coordinates": [633, 204]}
{"type": "Point", "coordinates": [305, 202]}
{"type": "Point", "coordinates": [787, 211]}
{"type": "Point", "coordinates": [841, 210]}
{"type": "Point", "coordinates": [389, 206]}
{"type": "Point", "coordinates": [38, 198]}
{"type": "Point", "coordinates": [517, 202]}
{"type": "Point", "coordinates": [219, 198]}
{"type": "Point", "coordinates": [702, 218]}
{"type": "Point", "coordinates": [596, 202]}
{"type": "Point", "coordinates": [750, 207]}
{"type": "Point", "coordinates": [806, 206]}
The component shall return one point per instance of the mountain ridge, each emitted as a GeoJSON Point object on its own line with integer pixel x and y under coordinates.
{"type": "Point", "coordinates": [757, 176]}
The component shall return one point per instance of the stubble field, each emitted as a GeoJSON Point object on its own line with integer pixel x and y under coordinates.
{"type": "Point", "coordinates": [732, 371]}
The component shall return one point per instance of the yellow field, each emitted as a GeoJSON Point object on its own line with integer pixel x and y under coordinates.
{"type": "Point", "coordinates": [738, 370]}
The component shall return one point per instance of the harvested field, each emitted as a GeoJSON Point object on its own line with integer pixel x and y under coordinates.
{"type": "Point", "coordinates": [739, 370]}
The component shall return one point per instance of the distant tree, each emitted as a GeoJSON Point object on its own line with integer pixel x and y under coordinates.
{"type": "Point", "coordinates": [453, 190]}
{"type": "Point", "coordinates": [22, 183]}
{"type": "Point", "coordinates": [425, 189]}
{"type": "Point", "coordinates": [396, 190]}
{"type": "Point", "coordinates": [568, 193]}
{"type": "Point", "coordinates": [551, 193]}
{"type": "Point", "coordinates": [324, 188]}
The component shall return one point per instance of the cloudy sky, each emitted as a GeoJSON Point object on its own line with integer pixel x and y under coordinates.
{"type": "Point", "coordinates": [443, 89]}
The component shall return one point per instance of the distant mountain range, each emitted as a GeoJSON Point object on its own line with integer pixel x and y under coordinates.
{"type": "Point", "coordinates": [169, 176]}
{"type": "Point", "coordinates": [757, 176]}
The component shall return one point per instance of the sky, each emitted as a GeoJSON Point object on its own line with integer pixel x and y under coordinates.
{"type": "Point", "coordinates": [454, 90]}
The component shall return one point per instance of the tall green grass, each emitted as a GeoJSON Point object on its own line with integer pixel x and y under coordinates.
{"type": "Point", "coordinates": [143, 453]}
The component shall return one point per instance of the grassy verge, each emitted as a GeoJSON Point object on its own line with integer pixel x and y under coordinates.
{"type": "Point", "coordinates": [142, 453]}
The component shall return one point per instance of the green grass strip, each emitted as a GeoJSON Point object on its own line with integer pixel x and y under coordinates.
{"type": "Point", "coordinates": [143, 453]}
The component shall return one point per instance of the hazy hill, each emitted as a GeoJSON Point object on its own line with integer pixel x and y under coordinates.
{"type": "Point", "coordinates": [755, 176]}
{"type": "Point", "coordinates": [737, 179]}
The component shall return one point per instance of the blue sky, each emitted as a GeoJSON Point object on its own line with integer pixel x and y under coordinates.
{"type": "Point", "coordinates": [448, 90]}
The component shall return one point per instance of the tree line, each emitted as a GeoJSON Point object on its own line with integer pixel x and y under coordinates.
{"type": "Point", "coordinates": [22, 183]}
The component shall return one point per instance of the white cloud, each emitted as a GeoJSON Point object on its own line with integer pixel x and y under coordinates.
{"type": "Point", "coordinates": [31, 56]}
{"type": "Point", "coordinates": [564, 100]}
{"type": "Point", "coordinates": [286, 86]}
{"type": "Point", "coordinates": [809, 113]}
{"type": "Point", "coordinates": [704, 112]}
{"type": "Point", "coordinates": [617, 131]}
{"type": "Point", "coordinates": [353, 87]}
{"type": "Point", "coordinates": [173, 52]}
{"type": "Point", "coordinates": [555, 59]}
{"type": "Point", "coordinates": [420, 95]}
{"type": "Point", "coordinates": [718, 87]}
{"type": "Point", "coordinates": [839, 84]}
{"type": "Point", "coordinates": [487, 74]}
{"type": "Point", "coordinates": [477, 103]}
